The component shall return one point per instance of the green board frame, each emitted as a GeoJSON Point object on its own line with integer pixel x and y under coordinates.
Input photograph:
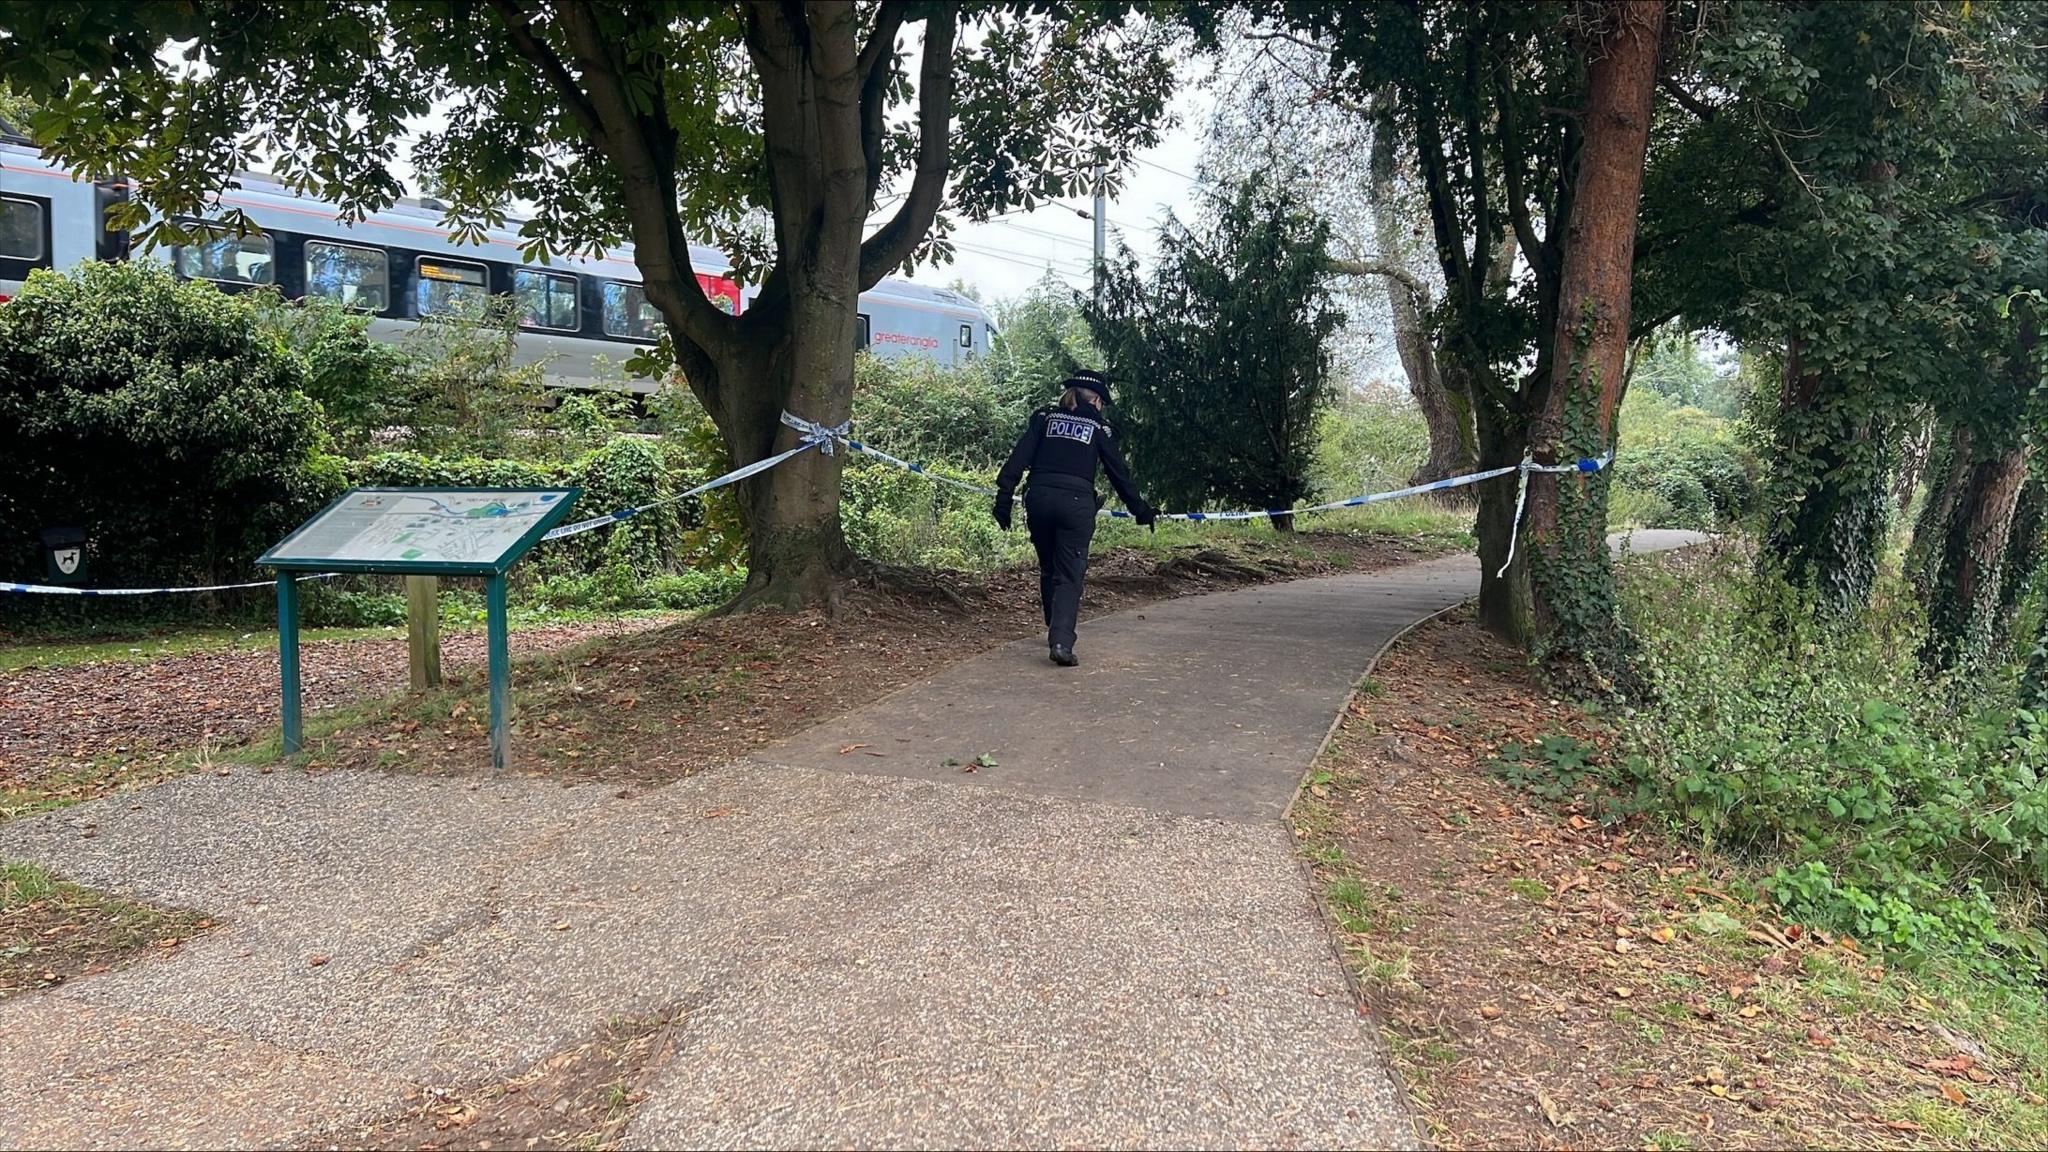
{"type": "Point", "coordinates": [495, 625]}
{"type": "Point", "coordinates": [504, 561]}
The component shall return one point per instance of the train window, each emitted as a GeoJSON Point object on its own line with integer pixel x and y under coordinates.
{"type": "Point", "coordinates": [21, 229]}
{"type": "Point", "coordinates": [865, 335]}
{"type": "Point", "coordinates": [546, 300]}
{"type": "Point", "coordinates": [224, 257]}
{"type": "Point", "coordinates": [357, 277]}
{"type": "Point", "coordinates": [449, 288]}
{"type": "Point", "coordinates": [967, 335]}
{"type": "Point", "coordinates": [628, 314]}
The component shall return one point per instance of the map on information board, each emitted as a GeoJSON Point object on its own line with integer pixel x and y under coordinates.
{"type": "Point", "coordinates": [424, 529]}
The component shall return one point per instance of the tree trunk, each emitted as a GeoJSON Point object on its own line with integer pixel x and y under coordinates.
{"type": "Point", "coordinates": [2022, 556]}
{"type": "Point", "coordinates": [796, 549]}
{"type": "Point", "coordinates": [1832, 492]}
{"type": "Point", "coordinates": [1451, 446]}
{"type": "Point", "coordinates": [1948, 472]}
{"type": "Point", "coordinates": [1962, 613]}
{"type": "Point", "coordinates": [1506, 601]}
{"type": "Point", "coordinates": [1573, 577]}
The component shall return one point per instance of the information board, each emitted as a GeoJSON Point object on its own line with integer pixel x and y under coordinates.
{"type": "Point", "coordinates": [424, 530]}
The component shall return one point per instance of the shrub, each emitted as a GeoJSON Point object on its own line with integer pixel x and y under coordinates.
{"type": "Point", "coordinates": [1680, 467]}
{"type": "Point", "coordinates": [1367, 444]}
{"type": "Point", "coordinates": [924, 412]}
{"type": "Point", "coordinates": [899, 517]}
{"type": "Point", "coordinates": [158, 415]}
{"type": "Point", "coordinates": [1892, 807]}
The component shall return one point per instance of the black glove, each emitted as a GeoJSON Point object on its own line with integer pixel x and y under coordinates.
{"type": "Point", "coordinates": [1002, 514]}
{"type": "Point", "coordinates": [1146, 516]}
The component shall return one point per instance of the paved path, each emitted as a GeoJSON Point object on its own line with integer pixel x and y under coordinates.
{"type": "Point", "coordinates": [1103, 939]}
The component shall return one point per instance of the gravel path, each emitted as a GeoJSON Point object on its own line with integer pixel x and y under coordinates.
{"type": "Point", "coordinates": [1069, 952]}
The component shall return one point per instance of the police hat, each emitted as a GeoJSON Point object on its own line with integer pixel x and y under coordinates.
{"type": "Point", "coordinates": [1093, 381]}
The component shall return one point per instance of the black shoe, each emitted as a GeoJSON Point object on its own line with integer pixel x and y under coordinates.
{"type": "Point", "coordinates": [1064, 656]}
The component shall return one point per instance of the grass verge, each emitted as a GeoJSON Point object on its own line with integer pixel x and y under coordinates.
{"type": "Point", "coordinates": [53, 931]}
{"type": "Point", "coordinates": [1550, 972]}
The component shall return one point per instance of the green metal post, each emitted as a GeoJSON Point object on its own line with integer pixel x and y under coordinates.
{"type": "Point", "coordinates": [501, 672]}
{"type": "Point", "coordinates": [288, 659]}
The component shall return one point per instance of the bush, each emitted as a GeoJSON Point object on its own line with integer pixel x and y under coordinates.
{"type": "Point", "coordinates": [1680, 467]}
{"type": "Point", "coordinates": [1885, 810]}
{"type": "Point", "coordinates": [156, 414]}
{"type": "Point", "coordinates": [617, 588]}
{"type": "Point", "coordinates": [1367, 444]}
{"type": "Point", "coordinates": [900, 517]}
{"type": "Point", "coordinates": [924, 412]}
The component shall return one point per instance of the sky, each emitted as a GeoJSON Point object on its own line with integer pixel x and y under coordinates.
{"type": "Point", "coordinates": [1005, 257]}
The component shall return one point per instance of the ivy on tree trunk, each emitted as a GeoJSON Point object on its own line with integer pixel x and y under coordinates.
{"type": "Point", "coordinates": [1567, 525]}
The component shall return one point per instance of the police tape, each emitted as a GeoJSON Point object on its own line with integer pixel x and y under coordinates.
{"type": "Point", "coordinates": [823, 437]}
{"type": "Point", "coordinates": [60, 590]}
{"type": "Point", "coordinates": [817, 436]}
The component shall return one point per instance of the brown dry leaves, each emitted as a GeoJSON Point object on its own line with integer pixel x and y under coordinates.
{"type": "Point", "coordinates": [1545, 956]}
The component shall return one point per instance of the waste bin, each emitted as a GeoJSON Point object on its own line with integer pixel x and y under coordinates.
{"type": "Point", "coordinates": [64, 555]}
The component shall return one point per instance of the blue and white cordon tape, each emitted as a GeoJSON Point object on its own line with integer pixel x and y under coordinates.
{"type": "Point", "coordinates": [60, 590]}
{"type": "Point", "coordinates": [823, 437]}
{"type": "Point", "coordinates": [814, 436]}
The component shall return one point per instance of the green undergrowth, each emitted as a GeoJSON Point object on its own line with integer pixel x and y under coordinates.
{"type": "Point", "coordinates": [1872, 799]}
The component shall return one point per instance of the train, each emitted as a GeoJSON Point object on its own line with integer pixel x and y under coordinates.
{"type": "Point", "coordinates": [582, 317]}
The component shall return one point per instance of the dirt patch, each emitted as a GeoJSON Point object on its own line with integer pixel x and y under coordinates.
{"type": "Point", "coordinates": [75, 732]}
{"type": "Point", "coordinates": [53, 931]}
{"type": "Point", "coordinates": [580, 1097]}
{"type": "Point", "coordinates": [1551, 972]}
{"type": "Point", "coordinates": [663, 704]}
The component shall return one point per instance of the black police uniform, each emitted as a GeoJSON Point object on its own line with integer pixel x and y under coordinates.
{"type": "Point", "coordinates": [1061, 449]}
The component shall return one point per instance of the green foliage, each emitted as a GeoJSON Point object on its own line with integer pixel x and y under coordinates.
{"type": "Point", "coordinates": [1366, 444]}
{"type": "Point", "coordinates": [1891, 806]}
{"type": "Point", "coordinates": [1041, 338]}
{"type": "Point", "coordinates": [1671, 365]}
{"type": "Point", "coordinates": [713, 534]}
{"type": "Point", "coordinates": [1859, 183]}
{"type": "Point", "coordinates": [1679, 466]}
{"type": "Point", "coordinates": [899, 517]}
{"type": "Point", "coordinates": [458, 389]}
{"type": "Point", "coordinates": [1222, 358]}
{"type": "Point", "coordinates": [919, 410]}
{"type": "Point", "coordinates": [359, 382]}
{"type": "Point", "coordinates": [1040, 95]}
{"type": "Point", "coordinates": [15, 108]}
{"type": "Point", "coordinates": [157, 415]}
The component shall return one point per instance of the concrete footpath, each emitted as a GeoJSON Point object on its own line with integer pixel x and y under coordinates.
{"type": "Point", "coordinates": [1100, 936]}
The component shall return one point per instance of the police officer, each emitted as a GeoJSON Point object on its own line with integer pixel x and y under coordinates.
{"type": "Point", "coordinates": [1061, 448]}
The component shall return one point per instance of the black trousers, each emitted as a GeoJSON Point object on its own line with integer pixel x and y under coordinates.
{"type": "Point", "coordinates": [1062, 522]}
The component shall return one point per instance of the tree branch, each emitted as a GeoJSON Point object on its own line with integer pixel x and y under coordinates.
{"type": "Point", "coordinates": [1513, 167]}
{"type": "Point", "coordinates": [877, 66]}
{"type": "Point", "coordinates": [637, 143]}
{"type": "Point", "coordinates": [519, 23]}
{"type": "Point", "coordinates": [1379, 266]}
{"type": "Point", "coordinates": [1687, 100]}
{"type": "Point", "coordinates": [1482, 208]}
{"type": "Point", "coordinates": [897, 239]}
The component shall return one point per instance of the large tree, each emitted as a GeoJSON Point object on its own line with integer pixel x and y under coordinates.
{"type": "Point", "coordinates": [1840, 192]}
{"type": "Point", "coordinates": [1221, 356]}
{"type": "Point", "coordinates": [654, 123]}
{"type": "Point", "coordinates": [1568, 511]}
{"type": "Point", "coordinates": [1488, 100]}
{"type": "Point", "coordinates": [1282, 113]}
